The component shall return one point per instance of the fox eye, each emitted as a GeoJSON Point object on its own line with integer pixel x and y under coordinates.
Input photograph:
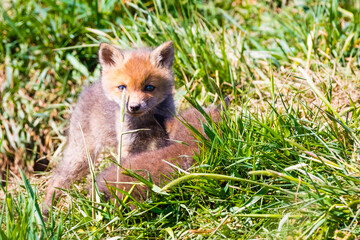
{"type": "Point", "coordinates": [121, 87]}
{"type": "Point", "coordinates": [149, 88]}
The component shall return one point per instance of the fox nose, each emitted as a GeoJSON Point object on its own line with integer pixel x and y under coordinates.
{"type": "Point", "coordinates": [134, 108]}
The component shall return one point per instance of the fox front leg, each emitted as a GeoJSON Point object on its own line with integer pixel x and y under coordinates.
{"type": "Point", "coordinates": [73, 166]}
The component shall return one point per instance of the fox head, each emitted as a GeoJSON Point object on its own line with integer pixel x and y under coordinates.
{"type": "Point", "coordinates": [144, 75]}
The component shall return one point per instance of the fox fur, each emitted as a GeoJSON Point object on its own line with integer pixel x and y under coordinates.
{"type": "Point", "coordinates": [145, 76]}
{"type": "Point", "coordinates": [97, 114]}
{"type": "Point", "coordinates": [179, 153]}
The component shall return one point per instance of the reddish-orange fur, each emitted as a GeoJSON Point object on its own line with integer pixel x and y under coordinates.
{"type": "Point", "coordinates": [132, 74]}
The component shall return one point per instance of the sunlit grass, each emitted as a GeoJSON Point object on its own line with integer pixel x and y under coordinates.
{"type": "Point", "coordinates": [283, 162]}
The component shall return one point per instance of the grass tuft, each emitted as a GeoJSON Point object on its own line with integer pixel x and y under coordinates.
{"type": "Point", "coordinates": [284, 161]}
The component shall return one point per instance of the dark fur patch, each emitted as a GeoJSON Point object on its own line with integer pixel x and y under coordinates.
{"type": "Point", "coordinates": [163, 56]}
{"type": "Point", "coordinates": [167, 56]}
{"type": "Point", "coordinates": [161, 120]}
{"type": "Point", "coordinates": [107, 56]}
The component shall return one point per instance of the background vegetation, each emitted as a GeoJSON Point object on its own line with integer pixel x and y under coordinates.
{"type": "Point", "coordinates": [287, 155]}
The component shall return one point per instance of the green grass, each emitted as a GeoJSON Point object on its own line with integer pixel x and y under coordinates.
{"type": "Point", "coordinates": [283, 163]}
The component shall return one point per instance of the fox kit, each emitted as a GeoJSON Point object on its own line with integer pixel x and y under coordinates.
{"type": "Point", "coordinates": [145, 77]}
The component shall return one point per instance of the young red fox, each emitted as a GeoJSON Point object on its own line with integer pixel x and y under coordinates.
{"type": "Point", "coordinates": [147, 78]}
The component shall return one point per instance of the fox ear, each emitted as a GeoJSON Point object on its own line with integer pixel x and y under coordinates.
{"type": "Point", "coordinates": [109, 55]}
{"type": "Point", "coordinates": [163, 55]}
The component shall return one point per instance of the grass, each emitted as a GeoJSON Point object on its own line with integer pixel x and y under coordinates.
{"type": "Point", "coordinates": [283, 164]}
